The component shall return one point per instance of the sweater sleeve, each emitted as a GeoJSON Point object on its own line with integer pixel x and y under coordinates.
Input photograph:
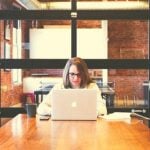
{"type": "Point", "coordinates": [101, 103]}
{"type": "Point", "coordinates": [44, 107]}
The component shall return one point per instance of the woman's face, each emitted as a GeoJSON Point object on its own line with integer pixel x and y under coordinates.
{"type": "Point", "coordinates": [74, 77]}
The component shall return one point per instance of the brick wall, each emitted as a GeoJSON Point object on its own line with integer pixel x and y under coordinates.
{"type": "Point", "coordinates": [10, 93]}
{"type": "Point", "coordinates": [128, 40]}
{"type": "Point", "coordinates": [128, 35]}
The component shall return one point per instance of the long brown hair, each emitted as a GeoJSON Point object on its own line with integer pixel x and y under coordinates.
{"type": "Point", "coordinates": [82, 68]}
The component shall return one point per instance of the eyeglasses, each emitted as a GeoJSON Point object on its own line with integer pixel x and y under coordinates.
{"type": "Point", "coordinates": [72, 75]}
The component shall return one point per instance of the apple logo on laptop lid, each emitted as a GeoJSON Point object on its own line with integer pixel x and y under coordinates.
{"type": "Point", "coordinates": [74, 104]}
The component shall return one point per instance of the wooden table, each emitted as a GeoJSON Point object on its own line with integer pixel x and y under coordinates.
{"type": "Point", "coordinates": [23, 133]}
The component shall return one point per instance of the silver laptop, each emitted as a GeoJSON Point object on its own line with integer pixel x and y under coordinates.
{"type": "Point", "coordinates": [74, 104]}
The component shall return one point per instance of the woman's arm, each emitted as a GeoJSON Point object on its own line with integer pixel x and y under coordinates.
{"type": "Point", "coordinates": [44, 107]}
{"type": "Point", "coordinates": [101, 103]}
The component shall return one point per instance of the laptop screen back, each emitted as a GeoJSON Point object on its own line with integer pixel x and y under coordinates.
{"type": "Point", "coordinates": [74, 104]}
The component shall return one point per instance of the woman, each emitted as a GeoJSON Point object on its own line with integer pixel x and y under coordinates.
{"type": "Point", "coordinates": [75, 76]}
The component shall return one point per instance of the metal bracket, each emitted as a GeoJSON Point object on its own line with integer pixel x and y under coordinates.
{"type": "Point", "coordinates": [73, 14]}
{"type": "Point", "coordinates": [138, 111]}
